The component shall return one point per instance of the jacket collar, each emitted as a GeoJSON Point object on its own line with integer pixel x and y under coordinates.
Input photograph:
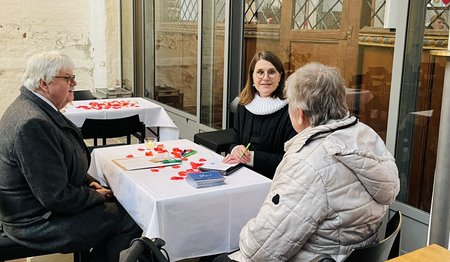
{"type": "Point", "coordinates": [309, 134]}
{"type": "Point", "coordinates": [56, 116]}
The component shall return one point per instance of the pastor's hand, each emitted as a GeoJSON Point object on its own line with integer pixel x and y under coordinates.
{"type": "Point", "coordinates": [239, 154]}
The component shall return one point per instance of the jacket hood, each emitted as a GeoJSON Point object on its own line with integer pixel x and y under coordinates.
{"type": "Point", "coordinates": [359, 148]}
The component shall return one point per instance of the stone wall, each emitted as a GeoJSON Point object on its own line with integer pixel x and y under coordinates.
{"type": "Point", "coordinates": [82, 29]}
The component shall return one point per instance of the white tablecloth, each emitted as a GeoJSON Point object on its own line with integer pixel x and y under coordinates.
{"type": "Point", "coordinates": [194, 222]}
{"type": "Point", "coordinates": [151, 114]}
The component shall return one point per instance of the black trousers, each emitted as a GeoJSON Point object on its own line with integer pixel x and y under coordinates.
{"type": "Point", "coordinates": [104, 229]}
{"type": "Point", "coordinates": [223, 258]}
{"type": "Point", "coordinates": [216, 258]}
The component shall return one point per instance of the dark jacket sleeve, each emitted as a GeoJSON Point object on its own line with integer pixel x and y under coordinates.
{"type": "Point", "coordinates": [42, 158]}
{"type": "Point", "coordinates": [237, 139]}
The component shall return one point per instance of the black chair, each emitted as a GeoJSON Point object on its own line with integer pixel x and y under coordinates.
{"type": "Point", "coordinates": [379, 252]}
{"type": "Point", "coordinates": [144, 249]}
{"type": "Point", "coordinates": [219, 141]}
{"type": "Point", "coordinates": [11, 250]}
{"type": "Point", "coordinates": [113, 128]}
{"type": "Point", "coordinates": [83, 95]}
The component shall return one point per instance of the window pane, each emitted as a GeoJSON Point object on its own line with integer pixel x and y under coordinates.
{"type": "Point", "coordinates": [127, 45]}
{"type": "Point", "coordinates": [317, 14]}
{"type": "Point", "coordinates": [212, 63]}
{"type": "Point", "coordinates": [420, 106]}
{"type": "Point", "coordinates": [176, 54]}
{"type": "Point", "coordinates": [262, 12]}
{"type": "Point", "coordinates": [373, 13]}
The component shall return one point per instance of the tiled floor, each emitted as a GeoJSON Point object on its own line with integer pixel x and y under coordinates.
{"type": "Point", "coordinates": [48, 258]}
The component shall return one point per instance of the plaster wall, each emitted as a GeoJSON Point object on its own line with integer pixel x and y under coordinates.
{"type": "Point", "coordinates": [85, 30]}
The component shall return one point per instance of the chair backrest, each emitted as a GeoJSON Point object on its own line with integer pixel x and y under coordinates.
{"type": "Point", "coordinates": [111, 128]}
{"type": "Point", "coordinates": [82, 95]}
{"type": "Point", "coordinates": [378, 252]}
{"type": "Point", "coordinates": [220, 140]}
{"type": "Point", "coordinates": [233, 105]}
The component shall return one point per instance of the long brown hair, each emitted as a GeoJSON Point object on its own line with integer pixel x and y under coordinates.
{"type": "Point", "coordinates": [249, 91]}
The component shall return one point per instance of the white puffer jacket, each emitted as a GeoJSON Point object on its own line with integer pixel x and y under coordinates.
{"type": "Point", "coordinates": [329, 195]}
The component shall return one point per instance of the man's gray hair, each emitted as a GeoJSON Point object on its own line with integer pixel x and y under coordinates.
{"type": "Point", "coordinates": [44, 66]}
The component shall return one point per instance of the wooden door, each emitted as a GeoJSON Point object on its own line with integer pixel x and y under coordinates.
{"type": "Point", "coordinates": [329, 36]}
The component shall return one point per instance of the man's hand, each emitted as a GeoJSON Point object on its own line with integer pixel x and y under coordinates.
{"type": "Point", "coordinates": [107, 193]}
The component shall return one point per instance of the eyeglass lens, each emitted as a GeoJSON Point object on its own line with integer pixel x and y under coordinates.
{"type": "Point", "coordinates": [69, 79]}
{"type": "Point", "coordinates": [271, 73]}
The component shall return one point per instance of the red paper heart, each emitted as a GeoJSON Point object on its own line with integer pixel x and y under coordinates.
{"type": "Point", "coordinates": [149, 153]}
{"type": "Point", "coordinates": [446, 2]}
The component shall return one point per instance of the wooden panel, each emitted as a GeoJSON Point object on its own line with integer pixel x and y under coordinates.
{"type": "Point", "coordinates": [303, 52]}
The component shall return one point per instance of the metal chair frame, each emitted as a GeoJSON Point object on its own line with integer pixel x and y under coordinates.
{"type": "Point", "coordinates": [378, 252]}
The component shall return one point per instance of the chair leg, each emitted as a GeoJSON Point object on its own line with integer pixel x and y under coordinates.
{"type": "Point", "coordinates": [81, 256]}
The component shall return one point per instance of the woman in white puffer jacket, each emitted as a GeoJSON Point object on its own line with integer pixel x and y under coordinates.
{"type": "Point", "coordinates": [334, 184]}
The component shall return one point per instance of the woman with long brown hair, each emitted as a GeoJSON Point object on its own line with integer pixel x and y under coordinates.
{"type": "Point", "coordinates": [262, 122]}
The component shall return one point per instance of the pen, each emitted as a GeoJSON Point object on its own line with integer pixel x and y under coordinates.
{"type": "Point", "coordinates": [190, 153]}
{"type": "Point", "coordinates": [246, 149]}
{"type": "Point", "coordinates": [171, 161]}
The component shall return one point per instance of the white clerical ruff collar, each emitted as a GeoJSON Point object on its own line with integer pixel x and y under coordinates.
{"type": "Point", "coordinates": [265, 106]}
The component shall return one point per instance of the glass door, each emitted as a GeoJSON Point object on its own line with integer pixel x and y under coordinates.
{"type": "Point", "coordinates": [212, 63]}
{"type": "Point", "coordinates": [175, 54]}
{"type": "Point", "coordinates": [420, 106]}
{"type": "Point", "coordinates": [188, 81]}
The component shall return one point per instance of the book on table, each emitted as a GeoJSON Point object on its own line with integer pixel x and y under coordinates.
{"type": "Point", "coordinates": [224, 169]}
{"type": "Point", "coordinates": [205, 179]}
{"type": "Point", "coordinates": [135, 163]}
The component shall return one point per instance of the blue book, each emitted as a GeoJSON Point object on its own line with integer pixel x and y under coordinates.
{"type": "Point", "coordinates": [209, 175]}
{"type": "Point", "coordinates": [205, 179]}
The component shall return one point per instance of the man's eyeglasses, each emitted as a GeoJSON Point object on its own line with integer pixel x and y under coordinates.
{"type": "Point", "coordinates": [69, 79]}
{"type": "Point", "coordinates": [271, 73]}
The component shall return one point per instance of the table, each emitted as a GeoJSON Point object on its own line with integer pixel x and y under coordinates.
{"type": "Point", "coordinates": [151, 114]}
{"type": "Point", "coordinates": [431, 253]}
{"type": "Point", "coordinates": [356, 98]}
{"type": "Point", "coordinates": [112, 92]}
{"type": "Point", "coordinates": [193, 222]}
